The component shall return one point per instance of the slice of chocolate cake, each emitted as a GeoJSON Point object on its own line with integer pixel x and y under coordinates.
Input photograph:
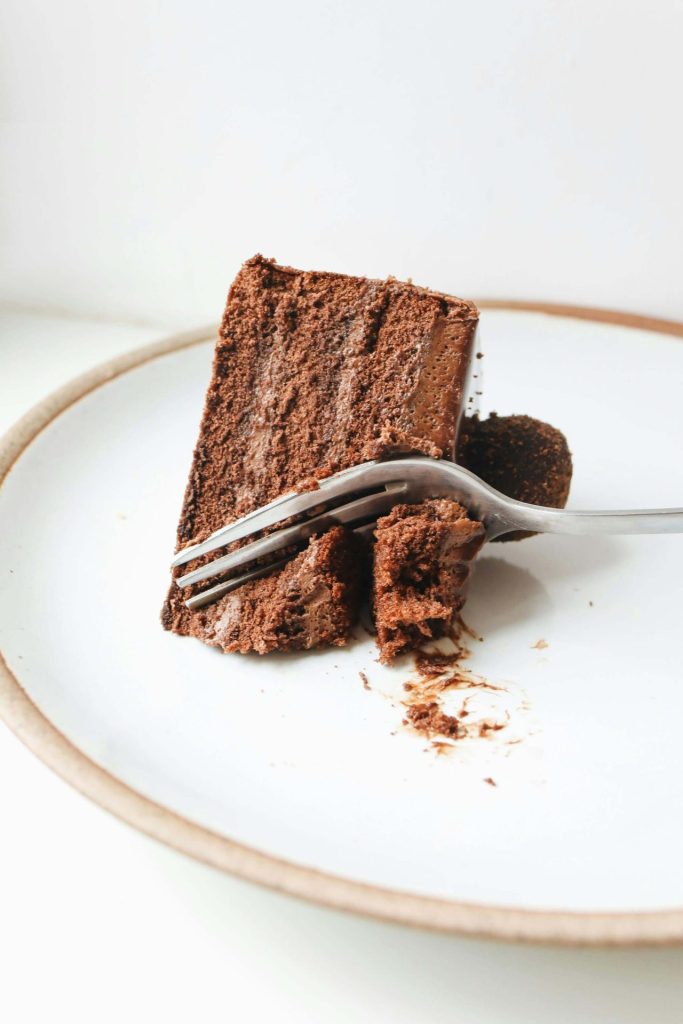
{"type": "Point", "coordinates": [422, 563]}
{"type": "Point", "coordinates": [312, 373]}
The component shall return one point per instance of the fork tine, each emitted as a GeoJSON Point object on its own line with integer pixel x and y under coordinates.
{"type": "Point", "coordinates": [282, 508]}
{"type": "Point", "coordinates": [369, 506]}
{"type": "Point", "coordinates": [213, 593]}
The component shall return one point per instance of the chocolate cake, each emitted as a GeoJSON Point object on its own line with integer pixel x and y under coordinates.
{"type": "Point", "coordinates": [312, 373]}
{"type": "Point", "coordinates": [521, 457]}
{"type": "Point", "coordinates": [310, 602]}
{"type": "Point", "coordinates": [422, 562]}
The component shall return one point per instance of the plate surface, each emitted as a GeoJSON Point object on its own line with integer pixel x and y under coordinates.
{"type": "Point", "coordinates": [287, 770]}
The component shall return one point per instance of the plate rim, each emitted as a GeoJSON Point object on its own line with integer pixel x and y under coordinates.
{"type": "Point", "coordinates": [36, 731]}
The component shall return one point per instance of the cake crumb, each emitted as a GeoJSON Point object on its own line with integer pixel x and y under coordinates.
{"type": "Point", "coordinates": [365, 681]}
{"type": "Point", "coordinates": [540, 645]}
{"type": "Point", "coordinates": [488, 726]}
{"type": "Point", "coordinates": [440, 747]}
{"type": "Point", "coordinates": [434, 663]}
{"type": "Point", "coordinates": [432, 721]}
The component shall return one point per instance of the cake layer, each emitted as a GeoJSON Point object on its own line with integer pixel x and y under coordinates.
{"type": "Point", "coordinates": [312, 373]}
{"type": "Point", "coordinates": [422, 563]}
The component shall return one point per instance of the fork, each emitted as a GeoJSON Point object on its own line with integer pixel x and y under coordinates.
{"type": "Point", "coordinates": [357, 496]}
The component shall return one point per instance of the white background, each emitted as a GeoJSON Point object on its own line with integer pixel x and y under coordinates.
{"type": "Point", "coordinates": [526, 150]}
{"type": "Point", "coordinates": [519, 149]}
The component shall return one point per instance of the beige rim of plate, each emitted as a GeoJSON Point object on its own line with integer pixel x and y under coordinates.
{"type": "Point", "coordinates": [52, 747]}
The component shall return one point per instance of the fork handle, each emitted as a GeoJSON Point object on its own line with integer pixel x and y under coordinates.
{"type": "Point", "coordinates": [553, 520]}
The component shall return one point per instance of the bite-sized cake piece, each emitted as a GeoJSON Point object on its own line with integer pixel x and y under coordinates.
{"type": "Point", "coordinates": [313, 373]}
{"type": "Point", "coordinates": [522, 457]}
{"type": "Point", "coordinates": [422, 563]}
{"type": "Point", "coordinates": [311, 602]}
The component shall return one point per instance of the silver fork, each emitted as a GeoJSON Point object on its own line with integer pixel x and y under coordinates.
{"type": "Point", "coordinates": [357, 496]}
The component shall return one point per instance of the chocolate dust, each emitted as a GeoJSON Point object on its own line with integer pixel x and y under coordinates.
{"type": "Point", "coordinates": [438, 673]}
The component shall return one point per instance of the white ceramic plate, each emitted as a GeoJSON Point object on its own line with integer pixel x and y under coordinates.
{"type": "Point", "coordinates": [287, 770]}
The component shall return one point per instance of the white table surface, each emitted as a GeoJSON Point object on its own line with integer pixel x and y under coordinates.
{"type": "Point", "coordinates": [97, 922]}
